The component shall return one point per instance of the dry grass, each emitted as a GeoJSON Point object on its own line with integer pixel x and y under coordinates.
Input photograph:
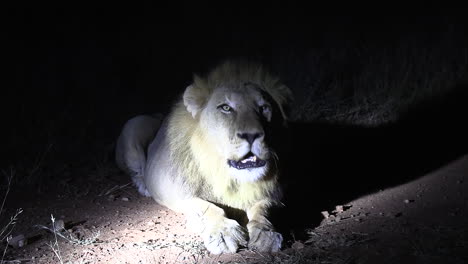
{"type": "Point", "coordinates": [366, 83]}
{"type": "Point", "coordinates": [7, 229]}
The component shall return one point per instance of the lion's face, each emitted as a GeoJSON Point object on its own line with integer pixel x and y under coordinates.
{"type": "Point", "coordinates": [235, 120]}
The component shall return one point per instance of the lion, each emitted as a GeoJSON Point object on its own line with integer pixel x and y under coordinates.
{"type": "Point", "coordinates": [214, 154]}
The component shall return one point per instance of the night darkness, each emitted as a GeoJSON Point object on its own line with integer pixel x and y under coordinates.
{"type": "Point", "coordinates": [380, 101]}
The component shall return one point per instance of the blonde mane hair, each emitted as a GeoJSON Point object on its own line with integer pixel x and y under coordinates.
{"type": "Point", "coordinates": [241, 71]}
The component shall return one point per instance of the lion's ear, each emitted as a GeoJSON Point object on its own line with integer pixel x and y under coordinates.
{"type": "Point", "coordinates": [284, 97]}
{"type": "Point", "coordinates": [195, 98]}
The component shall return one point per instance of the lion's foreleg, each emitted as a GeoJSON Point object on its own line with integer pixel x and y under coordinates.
{"type": "Point", "coordinates": [220, 234]}
{"type": "Point", "coordinates": [262, 236]}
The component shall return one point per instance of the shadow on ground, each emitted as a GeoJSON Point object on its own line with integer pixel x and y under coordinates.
{"type": "Point", "coordinates": [329, 165]}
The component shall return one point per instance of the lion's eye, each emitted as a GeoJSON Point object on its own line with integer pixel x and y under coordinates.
{"type": "Point", "coordinates": [225, 108]}
{"type": "Point", "coordinates": [264, 108]}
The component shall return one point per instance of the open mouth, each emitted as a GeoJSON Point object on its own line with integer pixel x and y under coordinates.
{"type": "Point", "coordinates": [247, 162]}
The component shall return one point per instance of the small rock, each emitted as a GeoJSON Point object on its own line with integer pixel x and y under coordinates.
{"type": "Point", "coordinates": [59, 225]}
{"type": "Point", "coordinates": [125, 199]}
{"type": "Point", "coordinates": [325, 214]}
{"type": "Point", "coordinates": [297, 245]}
{"type": "Point", "coordinates": [17, 241]}
{"type": "Point", "coordinates": [339, 208]}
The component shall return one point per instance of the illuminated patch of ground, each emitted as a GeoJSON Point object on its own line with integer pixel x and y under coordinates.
{"type": "Point", "coordinates": [423, 221]}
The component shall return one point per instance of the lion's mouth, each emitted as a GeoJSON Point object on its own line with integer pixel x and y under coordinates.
{"type": "Point", "coordinates": [247, 162]}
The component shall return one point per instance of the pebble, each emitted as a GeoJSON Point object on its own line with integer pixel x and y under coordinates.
{"type": "Point", "coordinates": [339, 208]}
{"type": "Point", "coordinates": [18, 241]}
{"type": "Point", "coordinates": [297, 245]}
{"type": "Point", "coordinates": [59, 225]}
{"type": "Point", "coordinates": [325, 214]}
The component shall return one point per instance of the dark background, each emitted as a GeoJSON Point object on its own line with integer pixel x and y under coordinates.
{"type": "Point", "coordinates": [74, 74]}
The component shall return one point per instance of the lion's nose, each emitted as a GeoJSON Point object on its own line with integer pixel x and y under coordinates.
{"type": "Point", "coordinates": [250, 137]}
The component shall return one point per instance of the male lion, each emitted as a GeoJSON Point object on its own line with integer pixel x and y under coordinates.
{"type": "Point", "coordinates": [213, 154]}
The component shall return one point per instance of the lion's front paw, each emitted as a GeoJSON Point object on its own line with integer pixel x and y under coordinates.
{"type": "Point", "coordinates": [264, 239]}
{"type": "Point", "coordinates": [224, 237]}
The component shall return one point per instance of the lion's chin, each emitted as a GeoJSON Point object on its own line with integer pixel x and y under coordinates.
{"type": "Point", "coordinates": [249, 161]}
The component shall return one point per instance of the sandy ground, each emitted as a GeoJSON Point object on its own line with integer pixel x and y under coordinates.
{"type": "Point", "coordinates": [106, 221]}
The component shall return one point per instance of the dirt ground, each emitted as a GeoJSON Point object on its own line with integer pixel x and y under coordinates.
{"type": "Point", "coordinates": [107, 221]}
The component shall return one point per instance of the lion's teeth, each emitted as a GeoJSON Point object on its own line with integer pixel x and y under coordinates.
{"type": "Point", "coordinates": [250, 159]}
